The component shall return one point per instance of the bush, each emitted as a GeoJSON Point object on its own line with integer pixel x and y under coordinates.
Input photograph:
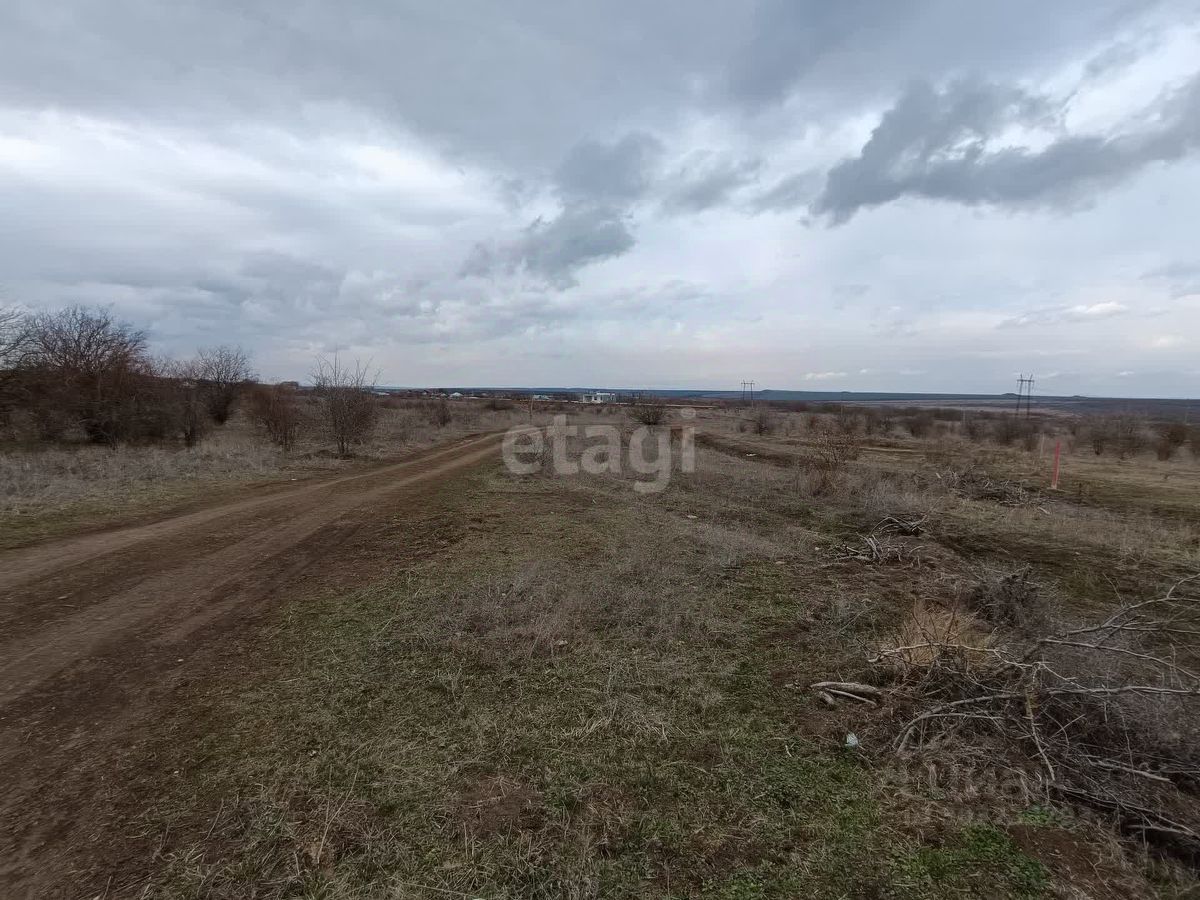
{"type": "Point", "coordinates": [496, 403]}
{"type": "Point", "coordinates": [277, 409]}
{"type": "Point", "coordinates": [919, 424]}
{"type": "Point", "coordinates": [1012, 600]}
{"type": "Point", "coordinates": [1171, 437]}
{"type": "Point", "coordinates": [437, 411]}
{"type": "Point", "coordinates": [648, 412]}
{"type": "Point", "coordinates": [221, 372]}
{"type": "Point", "coordinates": [1129, 434]}
{"type": "Point", "coordinates": [832, 450]}
{"type": "Point", "coordinates": [763, 421]}
{"type": "Point", "coordinates": [349, 405]}
{"type": "Point", "coordinates": [80, 369]}
{"type": "Point", "coordinates": [1099, 435]}
{"type": "Point", "coordinates": [1007, 430]}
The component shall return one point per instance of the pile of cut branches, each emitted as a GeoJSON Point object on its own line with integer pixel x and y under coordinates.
{"type": "Point", "coordinates": [877, 552]}
{"type": "Point", "coordinates": [976, 484]}
{"type": "Point", "coordinates": [1108, 713]}
{"type": "Point", "coordinates": [879, 547]}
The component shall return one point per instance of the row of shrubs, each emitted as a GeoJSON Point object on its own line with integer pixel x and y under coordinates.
{"type": "Point", "coordinates": [81, 374]}
{"type": "Point", "coordinates": [1124, 434]}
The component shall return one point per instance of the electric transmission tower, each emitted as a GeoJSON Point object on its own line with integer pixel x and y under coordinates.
{"type": "Point", "coordinates": [1025, 393]}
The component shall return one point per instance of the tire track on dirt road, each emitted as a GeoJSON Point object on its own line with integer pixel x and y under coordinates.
{"type": "Point", "coordinates": [97, 630]}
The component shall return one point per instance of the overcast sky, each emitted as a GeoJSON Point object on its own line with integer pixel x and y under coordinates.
{"type": "Point", "coordinates": [903, 195]}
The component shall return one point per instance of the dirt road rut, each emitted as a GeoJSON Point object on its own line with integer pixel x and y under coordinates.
{"type": "Point", "coordinates": [94, 629]}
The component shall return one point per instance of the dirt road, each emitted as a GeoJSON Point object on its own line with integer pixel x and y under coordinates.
{"type": "Point", "coordinates": [95, 630]}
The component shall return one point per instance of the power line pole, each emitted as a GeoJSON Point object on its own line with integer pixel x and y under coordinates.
{"type": "Point", "coordinates": [1024, 392]}
{"type": "Point", "coordinates": [748, 391]}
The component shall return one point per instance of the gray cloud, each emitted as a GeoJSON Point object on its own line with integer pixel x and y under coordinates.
{"type": "Point", "coordinates": [556, 250]}
{"type": "Point", "coordinates": [790, 38]}
{"type": "Point", "coordinates": [935, 144]}
{"type": "Point", "coordinates": [704, 183]}
{"type": "Point", "coordinates": [857, 49]}
{"type": "Point", "coordinates": [616, 172]}
{"type": "Point", "coordinates": [789, 193]}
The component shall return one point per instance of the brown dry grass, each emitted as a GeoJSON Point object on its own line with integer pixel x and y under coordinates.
{"type": "Point", "coordinates": [53, 490]}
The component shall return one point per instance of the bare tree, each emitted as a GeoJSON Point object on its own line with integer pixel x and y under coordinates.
{"type": "Point", "coordinates": [346, 394]}
{"type": "Point", "coordinates": [13, 339]}
{"type": "Point", "coordinates": [13, 336]}
{"type": "Point", "coordinates": [184, 389]}
{"type": "Point", "coordinates": [81, 367]}
{"type": "Point", "coordinates": [222, 371]}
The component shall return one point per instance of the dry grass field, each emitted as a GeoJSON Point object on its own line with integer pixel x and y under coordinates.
{"type": "Point", "coordinates": [547, 686]}
{"type": "Point", "coordinates": [51, 492]}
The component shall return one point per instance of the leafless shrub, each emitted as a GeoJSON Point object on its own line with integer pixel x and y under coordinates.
{"type": "Point", "coordinates": [648, 412]}
{"type": "Point", "coordinates": [347, 400]}
{"type": "Point", "coordinates": [1171, 436]}
{"type": "Point", "coordinates": [1129, 434]}
{"type": "Point", "coordinates": [1099, 435]}
{"type": "Point", "coordinates": [221, 373]}
{"type": "Point", "coordinates": [437, 411]}
{"type": "Point", "coordinates": [496, 403]}
{"type": "Point", "coordinates": [764, 421]}
{"type": "Point", "coordinates": [188, 407]}
{"type": "Point", "coordinates": [1012, 600]}
{"type": "Point", "coordinates": [1011, 428]}
{"type": "Point", "coordinates": [919, 424]}
{"type": "Point", "coordinates": [832, 450]}
{"type": "Point", "coordinates": [847, 420]}
{"type": "Point", "coordinates": [277, 409]}
{"type": "Point", "coordinates": [874, 422]}
{"type": "Point", "coordinates": [974, 427]}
